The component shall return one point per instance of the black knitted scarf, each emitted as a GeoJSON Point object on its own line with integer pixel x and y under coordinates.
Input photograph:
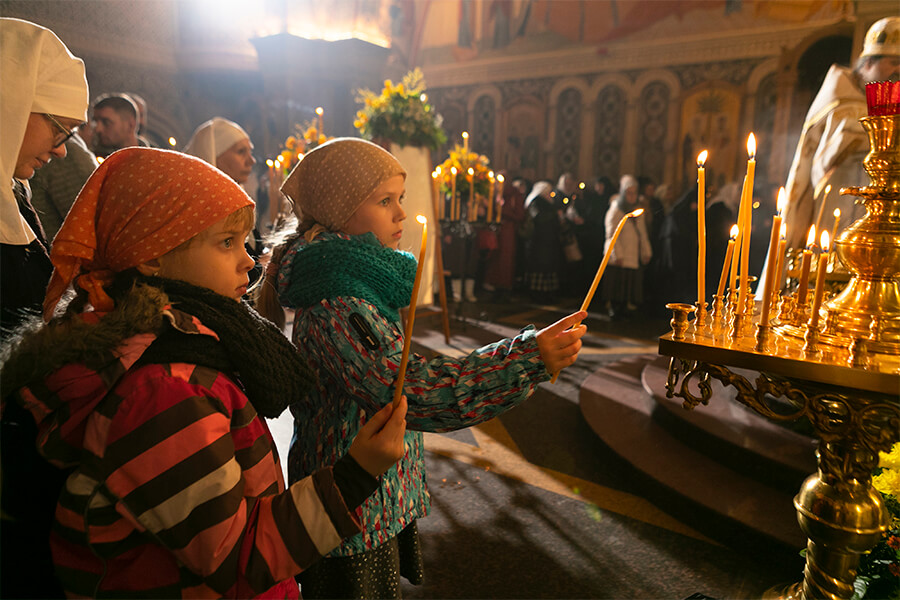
{"type": "Point", "coordinates": [250, 348]}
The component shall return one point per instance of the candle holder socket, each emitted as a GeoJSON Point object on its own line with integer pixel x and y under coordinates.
{"type": "Point", "coordinates": [737, 324]}
{"type": "Point", "coordinates": [859, 353]}
{"type": "Point", "coordinates": [702, 320]}
{"type": "Point", "coordinates": [811, 342]}
{"type": "Point", "coordinates": [679, 322]}
{"type": "Point", "coordinates": [718, 307]}
{"type": "Point", "coordinates": [763, 332]}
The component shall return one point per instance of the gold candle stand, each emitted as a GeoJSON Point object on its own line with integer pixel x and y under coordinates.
{"type": "Point", "coordinates": [843, 377]}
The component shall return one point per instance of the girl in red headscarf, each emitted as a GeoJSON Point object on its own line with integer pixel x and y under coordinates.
{"type": "Point", "coordinates": [150, 390]}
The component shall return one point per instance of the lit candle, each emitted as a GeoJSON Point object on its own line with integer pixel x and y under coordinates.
{"type": "Point", "coordinates": [472, 212]}
{"type": "Point", "coordinates": [837, 220]}
{"type": "Point", "coordinates": [501, 179]}
{"type": "Point", "coordinates": [728, 254]}
{"type": "Point", "coordinates": [411, 317]}
{"type": "Point", "coordinates": [602, 267]}
{"type": "Point", "coordinates": [435, 191]}
{"type": "Point", "coordinates": [454, 209]}
{"type": "Point", "coordinates": [747, 223]}
{"type": "Point", "coordinates": [321, 112]}
{"type": "Point", "coordinates": [782, 246]}
{"type": "Point", "coordinates": [820, 281]}
{"type": "Point", "coordinates": [701, 228]}
{"type": "Point", "coordinates": [465, 137]}
{"type": "Point", "coordinates": [490, 206]}
{"type": "Point", "coordinates": [773, 258]}
{"type": "Point", "coordinates": [804, 267]}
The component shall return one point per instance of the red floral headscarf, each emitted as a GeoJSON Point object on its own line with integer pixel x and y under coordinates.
{"type": "Point", "coordinates": [138, 205]}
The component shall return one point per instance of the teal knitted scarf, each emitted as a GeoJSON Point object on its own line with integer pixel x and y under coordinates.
{"type": "Point", "coordinates": [359, 266]}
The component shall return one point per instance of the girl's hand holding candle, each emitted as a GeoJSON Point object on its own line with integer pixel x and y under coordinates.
{"type": "Point", "coordinates": [559, 343]}
{"type": "Point", "coordinates": [601, 268]}
{"type": "Point", "coordinates": [411, 317]}
{"type": "Point", "coordinates": [820, 281]}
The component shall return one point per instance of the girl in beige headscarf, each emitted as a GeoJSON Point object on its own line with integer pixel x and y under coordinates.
{"type": "Point", "coordinates": [343, 275]}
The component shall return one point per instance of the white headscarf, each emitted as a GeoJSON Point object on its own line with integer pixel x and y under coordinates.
{"type": "Point", "coordinates": [541, 188]}
{"type": "Point", "coordinates": [39, 75]}
{"type": "Point", "coordinates": [213, 138]}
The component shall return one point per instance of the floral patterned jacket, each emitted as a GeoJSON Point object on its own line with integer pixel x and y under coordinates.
{"type": "Point", "coordinates": [356, 352]}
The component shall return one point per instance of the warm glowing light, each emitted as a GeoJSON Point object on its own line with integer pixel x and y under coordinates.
{"type": "Point", "coordinates": [837, 213]}
{"type": "Point", "coordinates": [581, 186]}
{"type": "Point", "coordinates": [320, 111]}
{"type": "Point", "coordinates": [100, 159]}
{"type": "Point", "coordinates": [827, 189]}
{"type": "Point", "coordinates": [491, 174]}
{"type": "Point", "coordinates": [465, 135]}
{"type": "Point", "coordinates": [565, 200]}
{"type": "Point", "coordinates": [811, 237]}
{"type": "Point", "coordinates": [636, 213]}
{"type": "Point", "coordinates": [172, 141]}
{"type": "Point", "coordinates": [734, 231]}
{"type": "Point", "coordinates": [501, 178]}
{"type": "Point", "coordinates": [783, 231]}
{"type": "Point", "coordinates": [423, 97]}
{"type": "Point", "coordinates": [755, 204]}
{"type": "Point", "coordinates": [701, 158]}
{"type": "Point", "coordinates": [751, 146]}
{"type": "Point", "coordinates": [421, 219]}
{"type": "Point", "coordinates": [453, 170]}
{"type": "Point", "coordinates": [471, 172]}
{"type": "Point", "coordinates": [824, 240]}
{"type": "Point", "coordinates": [438, 171]}
{"type": "Point", "coordinates": [782, 200]}
{"type": "Point", "coordinates": [270, 163]}
{"type": "Point", "coordinates": [434, 174]}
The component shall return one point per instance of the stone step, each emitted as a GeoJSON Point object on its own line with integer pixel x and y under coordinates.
{"type": "Point", "coordinates": [720, 501]}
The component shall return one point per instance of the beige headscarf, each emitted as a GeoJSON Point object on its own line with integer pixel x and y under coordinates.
{"type": "Point", "coordinates": [213, 138]}
{"type": "Point", "coordinates": [332, 180]}
{"type": "Point", "coordinates": [39, 75]}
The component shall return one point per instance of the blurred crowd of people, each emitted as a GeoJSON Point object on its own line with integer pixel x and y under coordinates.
{"type": "Point", "coordinates": [553, 237]}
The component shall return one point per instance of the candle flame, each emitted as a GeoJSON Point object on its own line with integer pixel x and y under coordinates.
{"type": "Point", "coordinates": [453, 170]}
{"type": "Point", "coordinates": [421, 219]}
{"type": "Point", "coordinates": [471, 171]}
{"type": "Point", "coordinates": [751, 146]}
{"type": "Point", "coordinates": [501, 178]}
{"type": "Point", "coordinates": [465, 135]}
{"type": "Point", "coordinates": [783, 231]}
{"type": "Point", "coordinates": [827, 189]}
{"type": "Point", "coordinates": [423, 97]}
{"type": "Point", "coordinates": [270, 162]}
{"type": "Point", "coordinates": [319, 111]}
{"type": "Point", "coordinates": [635, 213]}
{"type": "Point", "coordinates": [824, 240]}
{"type": "Point", "coordinates": [581, 185]}
{"type": "Point", "coordinates": [734, 231]}
{"type": "Point", "coordinates": [172, 141]}
{"type": "Point", "coordinates": [701, 158]}
{"type": "Point", "coordinates": [811, 238]}
{"type": "Point", "coordinates": [434, 174]}
{"type": "Point", "coordinates": [837, 213]}
{"type": "Point", "coordinates": [782, 200]}
{"type": "Point", "coordinates": [491, 174]}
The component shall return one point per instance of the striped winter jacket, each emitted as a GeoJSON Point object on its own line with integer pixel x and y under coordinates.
{"type": "Point", "coordinates": [356, 352]}
{"type": "Point", "coordinates": [177, 490]}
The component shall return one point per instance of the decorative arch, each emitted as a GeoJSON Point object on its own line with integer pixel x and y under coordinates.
{"type": "Point", "coordinates": [523, 139]}
{"type": "Point", "coordinates": [483, 108]}
{"type": "Point", "coordinates": [609, 107]}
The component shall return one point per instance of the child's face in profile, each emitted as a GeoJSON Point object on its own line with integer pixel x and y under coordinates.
{"type": "Point", "coordinates": [214, 259]}
{"type": "Point", "coordinates": [381, 213]}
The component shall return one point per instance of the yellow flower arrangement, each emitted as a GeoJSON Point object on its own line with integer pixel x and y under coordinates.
{"type": "Point", "coordinates": [400, 114]}
{"type": "Point", "coordinates": [305, 138]}
{"type": "Point", "coordinates": [879, 570]}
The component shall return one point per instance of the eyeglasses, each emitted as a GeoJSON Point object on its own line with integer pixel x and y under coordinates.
{"type": "Point", "coordinates": [64, 134]}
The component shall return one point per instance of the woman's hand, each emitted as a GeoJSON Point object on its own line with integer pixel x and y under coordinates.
{"type": "Point", "coordinates": [379, 443]}
{"type": "Point", "coordinates": [558, 344]}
